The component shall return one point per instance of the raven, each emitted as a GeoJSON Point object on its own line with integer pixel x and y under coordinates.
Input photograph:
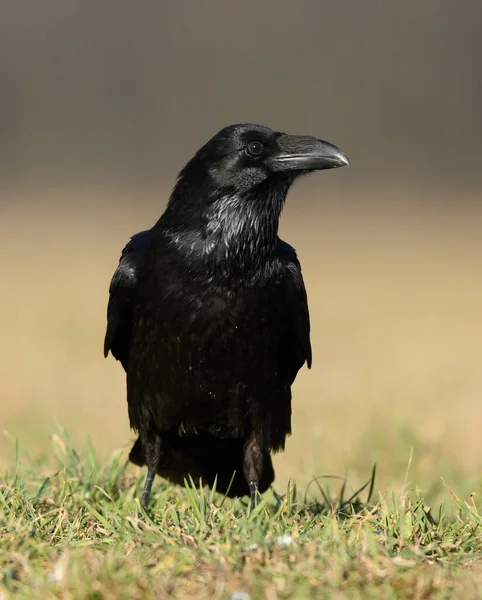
{"type": "Point", "coordinates": [208, 314]}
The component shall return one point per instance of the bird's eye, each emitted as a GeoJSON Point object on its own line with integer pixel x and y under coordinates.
{"type": "Point", "coordinates": [254, 149]}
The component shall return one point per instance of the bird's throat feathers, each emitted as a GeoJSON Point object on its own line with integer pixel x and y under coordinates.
{"type": "Point", "coordinates": [227, 231]}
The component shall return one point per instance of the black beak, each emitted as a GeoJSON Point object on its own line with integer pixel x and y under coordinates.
{"type": "Point", "coordinates": [305, 153]}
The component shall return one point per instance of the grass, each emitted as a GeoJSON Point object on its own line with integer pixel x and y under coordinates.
{"type": "Point", "coordinates": [74, 530]}
{"type": "Point", "coordinates": [395, 295]}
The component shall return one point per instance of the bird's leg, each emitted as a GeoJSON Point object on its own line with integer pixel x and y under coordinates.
{"type": "Point", "coordinates": [146, 492]}
{"type": "Point", "coordinates": [253, 466]}
{"type": "Point", "coordinates": [152, 445]}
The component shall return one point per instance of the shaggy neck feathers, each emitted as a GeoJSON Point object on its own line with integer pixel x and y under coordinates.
{"type": "Point", "coordinates": [226, 231]}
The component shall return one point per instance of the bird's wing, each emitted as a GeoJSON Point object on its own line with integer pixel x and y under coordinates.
{"type": "Point", "coordinates": [298, 350]}
{"type": "Point", "coordinates": [121, 292]}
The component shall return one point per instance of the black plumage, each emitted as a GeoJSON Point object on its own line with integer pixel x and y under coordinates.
{"type": "Point", "coordinates": [208, 314]}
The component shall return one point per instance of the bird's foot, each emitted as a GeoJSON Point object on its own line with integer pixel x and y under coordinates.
{"type": "Point", "coordinates": [279, 499]}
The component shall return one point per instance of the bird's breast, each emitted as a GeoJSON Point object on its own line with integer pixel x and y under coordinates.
{"type": "Point", "coordinates": [193, 325]}
{"type": "Point", "coordinates": [210, 359]}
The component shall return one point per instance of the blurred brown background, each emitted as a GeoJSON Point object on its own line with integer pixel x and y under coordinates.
{"type": "Point", "coordinates": [101, 103]}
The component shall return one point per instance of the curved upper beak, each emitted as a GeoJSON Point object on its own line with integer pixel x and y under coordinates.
{"type": "Point", "coordinates": [303, 152]}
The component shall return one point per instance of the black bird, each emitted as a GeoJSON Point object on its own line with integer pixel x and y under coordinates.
{"type": "Point", "coordinates": [208, 314]}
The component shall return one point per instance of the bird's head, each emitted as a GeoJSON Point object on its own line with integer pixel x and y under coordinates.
{"type": "Point", "coordinates": [242, 157]}
{"type": "Point", "coordinates": [231, 193]}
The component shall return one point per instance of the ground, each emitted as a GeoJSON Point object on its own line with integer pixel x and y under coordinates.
{"type": "Point", "coordinates": [395, 295]}
{"type": "Point", "coordinates": [76, 531]}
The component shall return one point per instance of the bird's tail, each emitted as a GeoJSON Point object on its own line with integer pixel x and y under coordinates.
{"type": "Point", "coordinates": [208, 459]}
{"type": "Point", "coordinates": [137, 455]}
